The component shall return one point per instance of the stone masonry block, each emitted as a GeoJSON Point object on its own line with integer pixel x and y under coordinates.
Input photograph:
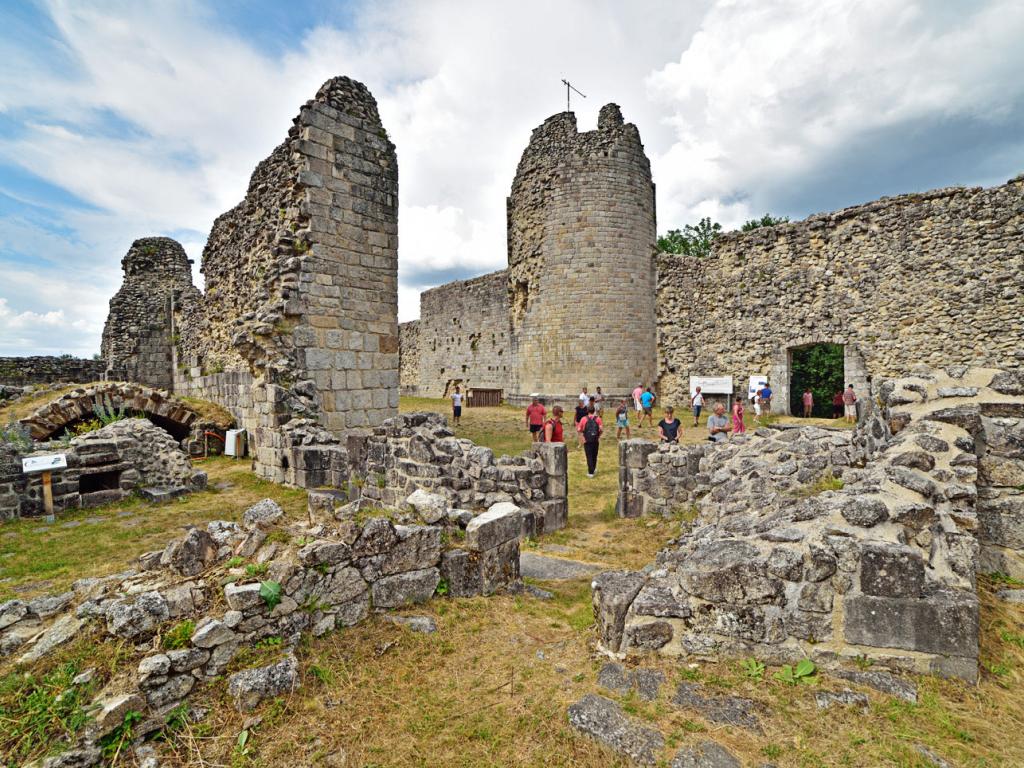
{"type": "Point", "coordinates": [497, 525]}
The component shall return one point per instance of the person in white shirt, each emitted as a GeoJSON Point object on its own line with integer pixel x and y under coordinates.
{"type": "Point", "coordinates": [697, 404]}
{"type": "Point", "coordinates": [584, 397]}
{"type": "Point", "coordinates": [456, 406]}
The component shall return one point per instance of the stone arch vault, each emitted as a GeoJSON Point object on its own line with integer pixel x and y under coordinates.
{"type": "Point", "coordinates": [164, 410]}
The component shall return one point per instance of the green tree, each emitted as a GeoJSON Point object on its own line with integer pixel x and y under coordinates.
{"type": "Point", "coordinates": [765, 221]}
{"type": "Point", "coordinates": [691, 240]}
{"type": "Point", "coordinates": [819, 368]}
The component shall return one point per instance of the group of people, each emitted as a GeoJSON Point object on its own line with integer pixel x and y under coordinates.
{"type": "Point", "coordinates": [590, 427]}
{"type": "Point", "coordinates": [844, 403]}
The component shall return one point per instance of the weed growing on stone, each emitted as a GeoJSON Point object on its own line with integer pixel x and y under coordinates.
{"type": "Point", "coordinates": [114, 742]}
{"type": "Point", "coordinates": [257, 569]}
{"type": "Point", "coordinates": [270, 592]}
{"type": "Point", "coordinates": [178, 636]}
{"type": "Point", "coordinates": [802, 672]}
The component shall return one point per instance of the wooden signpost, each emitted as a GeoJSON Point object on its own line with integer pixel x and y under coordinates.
{"type": "Point", "coordinates": [45, 465]}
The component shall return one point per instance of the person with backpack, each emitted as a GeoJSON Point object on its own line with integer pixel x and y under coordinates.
{"type": "Point", "coordinates": [553, 427]}
{"type": "Point", "coordinates": [590, 429]}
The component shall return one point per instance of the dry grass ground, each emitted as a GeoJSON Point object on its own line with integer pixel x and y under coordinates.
{"type": "Point", "coordinates": [38, 557]}
{"type": "Point", "coordinates": [491, 687]}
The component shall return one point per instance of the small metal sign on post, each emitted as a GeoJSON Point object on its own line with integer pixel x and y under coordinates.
{"type": "Point", "coordinates": [45, 465]}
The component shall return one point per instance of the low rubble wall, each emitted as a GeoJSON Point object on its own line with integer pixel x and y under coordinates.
{"type": "Point", "coordinates": [332, 570]}
{"type": "Point", "coordinates": [22, 371]}
{"type": "Point", "coordinates": [102, 466]}
{"type": "Point", "coordinates": [881, 564]}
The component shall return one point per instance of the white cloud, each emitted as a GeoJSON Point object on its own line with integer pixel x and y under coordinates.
{"type": "Point", "coordinates": [157, 115]}
{"type": "Point", "coordinates": [767, 92]}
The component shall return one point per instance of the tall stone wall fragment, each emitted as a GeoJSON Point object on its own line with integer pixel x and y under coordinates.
{"type": "Point", "coordinates": [464, 336]}
{"type": "Point", "coordinates": [138, 337]}
{"type": "Point", "coordinates": [299, 318]}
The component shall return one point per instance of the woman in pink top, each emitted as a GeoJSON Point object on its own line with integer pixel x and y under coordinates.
{"type": "Point", "coordinates": [636, 398]}
{"type": "Point", "coordinates": [738, 427]}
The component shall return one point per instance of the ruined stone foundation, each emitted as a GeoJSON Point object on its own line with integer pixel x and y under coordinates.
{"type": "Point", "coordinates": [830, 545]}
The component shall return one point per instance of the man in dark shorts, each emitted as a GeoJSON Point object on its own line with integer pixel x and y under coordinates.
{"type": "Point", "coordinates": [837, 405]}
{"type": "Point", "coordinates": [535, 413]}
{"type": "Point", "coordinates": [456, 406]}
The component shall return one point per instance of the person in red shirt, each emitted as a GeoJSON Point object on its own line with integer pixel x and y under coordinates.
{"type": "Point", "coordinates": [837, 405]}
{"type": "Point", "coordinates": [553, 428]}
{"type": "Point", "coordinates": [535, 413]}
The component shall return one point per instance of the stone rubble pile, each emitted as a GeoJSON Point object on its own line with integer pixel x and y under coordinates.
{"type": "Point", "coordinates": [102, 466]}
{"type": "Point", "coordinates": [882, 567]}
{"type": "Point", "coordinates": [324, 573]}
{"type": "Point", "coordinates": [418, 450]}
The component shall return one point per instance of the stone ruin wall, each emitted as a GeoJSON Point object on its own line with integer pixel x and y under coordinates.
{"type": "Point", "coordinates": [104, 466]}
{"type": "Point", "coordinates": [931, 278]}
{"type": "Point", "coordinates": [138, 338]}
{"type": "Point", "coordinates": [409, 358]}
{"type": "Point", "coordinates": [299, 313]}
{"type": "Point", "coordinates": [419, 451]}
{"type": "Point", "coordinates": [464, 336]}
{"type": "Point", "coordinates": [882, 565]}
{"type": "Point", "coordinates": [25, 371]}
{"type": "Point", "coordinates": [581, 236]}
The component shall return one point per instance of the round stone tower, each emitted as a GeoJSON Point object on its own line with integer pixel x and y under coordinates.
{"type": "Point", "coordinates": [581, 244]}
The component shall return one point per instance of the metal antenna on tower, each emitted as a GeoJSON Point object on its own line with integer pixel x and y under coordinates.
{"type": "Point", "coordinates": [568, 88]}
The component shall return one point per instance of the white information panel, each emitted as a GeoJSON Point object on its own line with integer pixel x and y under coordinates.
{"type": "Point", "coordinates": [711, 385]}
{"type": "Point", "coordinates": [44, 463]}
{"type": "Point", "coordinates": [756, 382]}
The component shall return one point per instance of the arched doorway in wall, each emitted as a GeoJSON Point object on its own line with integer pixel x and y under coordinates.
{"type": "Point", "coordinates": [824, 364]}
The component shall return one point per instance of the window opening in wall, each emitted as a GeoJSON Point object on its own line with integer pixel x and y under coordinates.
{"type": "Point", "coordinates": [818, 367]}
{"type": "Point", "coordinates": [99, 481]}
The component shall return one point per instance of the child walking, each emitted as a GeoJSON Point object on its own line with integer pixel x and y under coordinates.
{"type": "Point", "coordinates": [622, 420]}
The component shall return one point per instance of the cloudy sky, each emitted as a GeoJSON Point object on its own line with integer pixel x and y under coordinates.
{"type": "Point", "coordinates": [125, 119]}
